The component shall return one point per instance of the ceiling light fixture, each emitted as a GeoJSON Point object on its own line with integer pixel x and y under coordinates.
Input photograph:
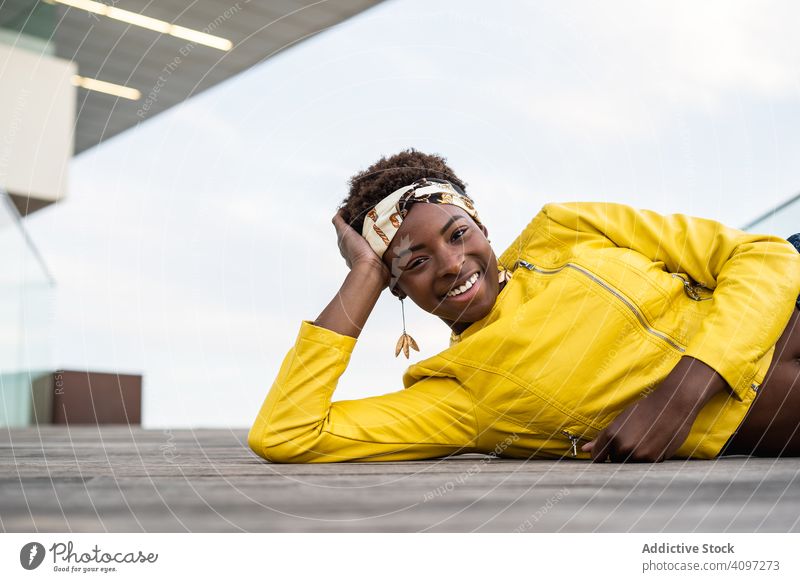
{"type": "Point", "coordinates": [106, 87]}
{"type": "Point", "coordinates": [143, 21]}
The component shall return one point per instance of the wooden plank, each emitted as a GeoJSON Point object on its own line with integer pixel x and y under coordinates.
{"type": "Point", "coordinates": [116, 478]}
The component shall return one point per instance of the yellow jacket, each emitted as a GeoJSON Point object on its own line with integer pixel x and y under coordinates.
{"type": "Point", "coordinates": [603, 302]}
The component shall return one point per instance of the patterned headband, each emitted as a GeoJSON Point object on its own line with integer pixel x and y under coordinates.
{"type": "Point", "coordinates": [383, 221]}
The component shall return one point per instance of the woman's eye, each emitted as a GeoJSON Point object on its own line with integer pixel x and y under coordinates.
{"type": "Point", "coordinates": [421, 260]}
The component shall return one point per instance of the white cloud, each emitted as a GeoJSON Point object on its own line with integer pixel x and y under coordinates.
{"type": "Point", "coordinates": [623, 71]}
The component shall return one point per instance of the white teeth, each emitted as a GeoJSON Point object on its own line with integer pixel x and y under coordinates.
{"type": "Point", "coordinates": [465, 287]}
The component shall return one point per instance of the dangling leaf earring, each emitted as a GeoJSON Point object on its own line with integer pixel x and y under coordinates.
{"type": "Point", "coordinates": [405, 341]}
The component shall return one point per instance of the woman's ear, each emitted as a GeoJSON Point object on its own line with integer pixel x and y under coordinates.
{"type": "Point", "coordinates": [397, 292]}
{"type": "Point", "coordinates": [485, 231]}
{"type": "Point", "coordinates": [394, 289]}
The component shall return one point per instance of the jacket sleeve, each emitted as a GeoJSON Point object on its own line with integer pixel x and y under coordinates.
{"type": "Point", "coordinates": [755, 277]}
{"type": "Point", "coordinates": [298, 423]}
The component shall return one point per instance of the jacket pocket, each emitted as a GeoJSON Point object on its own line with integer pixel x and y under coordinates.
{"type": "Point", "coordinates": [530, 440]}
{"type": "Point", "coordinates": [593, 351]}
{"type": "Point", "coordinates": [613, 291]}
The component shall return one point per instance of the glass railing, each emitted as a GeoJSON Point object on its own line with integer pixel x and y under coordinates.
{"type": "Point", "coordinates": [783, 220]}
{"type": "Point", "coordinates": [27, 296]}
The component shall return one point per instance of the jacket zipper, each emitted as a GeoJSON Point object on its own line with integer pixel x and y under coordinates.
{"type": "Point", "coordinates": [689, 289]}
{"type": "Point", "coordinates": [611, 290]}
{"type": "Point", "coordinates": [573, 439]}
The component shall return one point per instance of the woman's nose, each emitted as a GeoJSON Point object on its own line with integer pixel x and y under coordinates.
{"type": "Point", "coordinates": [451, 263]}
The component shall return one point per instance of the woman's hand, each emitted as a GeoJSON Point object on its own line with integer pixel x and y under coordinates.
{"type": "Point", "coordinates": [356, 250]}
{"type": "Point", "coordinates": [348, 311]}
{"type": "Point", "coordinates": [654, 428]}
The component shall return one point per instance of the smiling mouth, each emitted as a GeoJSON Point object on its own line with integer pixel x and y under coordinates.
{"type": "Point", "coordinates": [465, 288]}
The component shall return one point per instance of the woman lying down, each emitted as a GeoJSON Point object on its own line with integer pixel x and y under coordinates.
{"type": "Point", "coordinates": [602, 333]}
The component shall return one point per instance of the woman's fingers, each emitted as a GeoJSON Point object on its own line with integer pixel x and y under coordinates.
{"type": "Point", "coordinates": [354, 248]}
{"type": "Point", "coordinates": [344, 239]}
{"type": "Point", "coordinates": [600, 447]}
{"type": "Point", "coordinates": [340, 225]}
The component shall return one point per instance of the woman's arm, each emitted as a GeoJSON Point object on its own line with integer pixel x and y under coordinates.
{"type": "Point", "coordinates": [347, 313]}
{"type": "Point", "coordinates": [654, 428]}
{"type": "Point", "coordinates": [755, 279]}
{"type": "Point", "coordinates": [298, 423]}
{"type": "Point", "coordinates": [349, 310]}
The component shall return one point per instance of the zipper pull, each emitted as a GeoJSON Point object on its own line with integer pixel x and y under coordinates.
{"type": "Point", "coordinates": [687, 288]}
{"type": "Point", "coordinates": [525, 264]}
{"type": "Point", "coordinates": [573, 440]}
{"type": "Point", "coordinates": [690, 290]}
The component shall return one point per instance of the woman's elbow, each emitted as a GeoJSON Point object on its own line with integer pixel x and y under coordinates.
{"type": "Point", "coordinates": [277, 454]}
{"type": "Point", "coordinates": [280, 451]}
{"type": "Point", "coordinates": [256, 442]}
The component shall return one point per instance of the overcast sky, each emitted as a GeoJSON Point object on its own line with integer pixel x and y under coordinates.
{"type": "Point", "coordinates": [191, 247]}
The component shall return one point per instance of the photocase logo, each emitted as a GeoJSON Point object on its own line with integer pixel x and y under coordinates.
{"type": "Point", "coordinates": [31, 555]}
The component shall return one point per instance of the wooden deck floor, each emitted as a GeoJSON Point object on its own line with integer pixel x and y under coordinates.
{"type": "Point", "coordinates": [120, 479]}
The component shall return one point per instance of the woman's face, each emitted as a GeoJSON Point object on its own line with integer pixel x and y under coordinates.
{"type": "Point", "coordinates": [438, 249]}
